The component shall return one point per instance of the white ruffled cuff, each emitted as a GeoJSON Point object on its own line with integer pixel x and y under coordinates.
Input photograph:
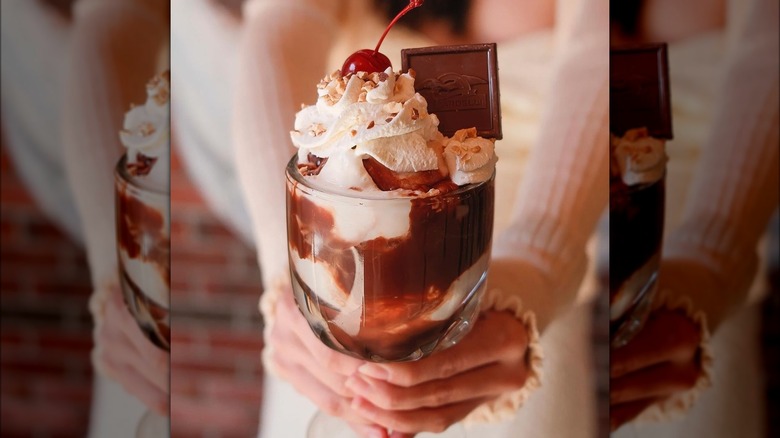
{"type": "Point", "coordinates": [676, 406]}
{"type": "Point", "coordinates": [506, 405]}
{"type": "Point", "coordinates": [97, 307]}
{"type": "Point", "coordinates": [269, 300]}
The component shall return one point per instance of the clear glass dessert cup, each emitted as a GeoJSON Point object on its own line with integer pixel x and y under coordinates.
{"type": "Point", "coordinates": [388, 278]}
{"type": "Point", "coordinates": [143, 254]}
{"type": "Point", "coordinates": [636, 224]}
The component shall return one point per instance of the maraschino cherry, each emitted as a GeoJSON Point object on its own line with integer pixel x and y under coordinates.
{"type": "Point", "coordinates": [372, 61]}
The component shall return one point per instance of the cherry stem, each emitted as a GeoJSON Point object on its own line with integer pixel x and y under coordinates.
{"type": "Point", "coordinates": [412, 4]}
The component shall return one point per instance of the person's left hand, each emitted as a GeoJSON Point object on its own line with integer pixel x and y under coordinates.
{"type": "Point", "coordinates": [431, 394]}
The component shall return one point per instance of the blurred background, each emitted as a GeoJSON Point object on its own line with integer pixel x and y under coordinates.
{"type": "Point", "coordinates": [216, 373]}
{"type": "Point", "coordinates": [46, 329]}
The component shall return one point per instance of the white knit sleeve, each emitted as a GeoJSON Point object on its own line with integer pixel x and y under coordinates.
{"type": "Point", "coordinates": [283, 51]}
{"type": "Point", "coordinates": [709, 262]}
{"type": "Point", "coordinates": [113, 53]}
{"type": "Point", "coordinates": [539, 261]}
{"type": "Point", "coordinates": [735, 188]}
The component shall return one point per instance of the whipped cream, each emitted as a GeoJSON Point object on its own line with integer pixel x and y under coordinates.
{"type": "Point", "coordinates": [640, 158]}
{"type": "Point", "coordinates": [470, 159]}
{"type": "Point", "coordinates": [146, 135]}
{"type": "Point", "coordinates": [380, 116]}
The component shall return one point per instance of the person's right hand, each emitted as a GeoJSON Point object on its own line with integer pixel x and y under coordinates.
{"type": "Point", "coordinates": [660, 361]}
{"type": "Point", "coordinates": [313, 369]}
{"type": "Point", "coordinates": [126, 355]}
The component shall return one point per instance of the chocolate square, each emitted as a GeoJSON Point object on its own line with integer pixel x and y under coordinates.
{"type": "Point", "coordinates": [639, 90]}
{"type": "Point", "coordinates": [460, 84]}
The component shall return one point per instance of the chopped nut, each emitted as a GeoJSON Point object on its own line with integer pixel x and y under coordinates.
{"type": "Point", "coordinates": [370, 124]}
{"type": "Point", "coordinates": [415, 114]}
{"type": "Point", "coordinates": [162, 96]}
{"type": "Point", "coordinates": [317, 129]}
{"type": "Point", "coordinates": [389, 119]}
{"type": "Point", "coordinates": [353, 132]}
{"type": "Point", "coordinates": [146, 129]}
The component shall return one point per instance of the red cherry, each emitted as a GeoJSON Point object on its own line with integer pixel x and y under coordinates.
{"type": "Point", "coordinates": [372, 61]}
{"type": "Point", "coordinates": [366, 60]}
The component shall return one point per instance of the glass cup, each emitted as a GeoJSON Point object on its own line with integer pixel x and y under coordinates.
{"type": "Point", "coordinates": [143, 253]}
{"type": "Point", "coordinates": [388, 279]}
{"type": "Point", "coordinates": [636, 228]}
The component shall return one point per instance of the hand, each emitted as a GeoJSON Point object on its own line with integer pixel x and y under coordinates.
{"type": "Point", "coordinates": [312, 368]}
{"type": "Point", "coordinates": [126, 355]}
{"type": "Point", "coordinates": [433, 393]}
{"type": "Point", "coordinates": [660, 361]}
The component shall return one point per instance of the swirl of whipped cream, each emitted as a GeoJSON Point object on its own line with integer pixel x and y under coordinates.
{"type": "Point", "coordinates": [470, 159]}
{"type": "Point", "coordinates": [641, 158]}
{"type": "Point", "coordinates": [146, 133]}
{"type": "Point", "coordinates": [376, 115]}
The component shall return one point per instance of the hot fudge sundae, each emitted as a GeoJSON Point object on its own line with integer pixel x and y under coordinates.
{"type": "Point", "coordinates": [389, 221]}
{"type": "Point", "coordinates": [143, 211]}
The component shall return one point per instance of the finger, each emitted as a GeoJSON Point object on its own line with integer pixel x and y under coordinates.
{"type": "Point", "coordinates": [668, 336]}
{"type": "Point", "coordinates": [129, 345]}
{"type": "Point", "coordinates": [660, 380]}
{"type": "Point", "coordinates": [435, 420]}
{"type": "Point", "coordinates": [625, 412]}
{"type": "Point", "coordinates": [327, 400]}
{"type": "Point", "coordinates": [369, 430]}
{"type": "Point", "coordinates": [496, 337]}
{"type": "Point", "coordinates": [292, 349]}
{"type": "Point", "coordinates": [138, 386]}
{"type": "Point", "coordinates": [326, 357]}
{"type": "Point", "coordinates": [486, 381]}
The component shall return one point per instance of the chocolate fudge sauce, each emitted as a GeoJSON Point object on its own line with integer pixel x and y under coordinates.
{"type": "Point", "coordinates": [405, 278]}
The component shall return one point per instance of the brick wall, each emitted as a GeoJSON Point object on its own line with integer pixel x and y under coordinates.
{"type": "Point", "coordinates": [46, 329]}
{"type": "Point", "coordinates": [46, 338]}
{"type": "Point", "coordinates": [216, 380]}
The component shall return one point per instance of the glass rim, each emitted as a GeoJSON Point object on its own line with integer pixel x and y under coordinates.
{"type": "Point", "coordinates": [121, 174]}
{"type": "Point", "coordinates": [294, 175]}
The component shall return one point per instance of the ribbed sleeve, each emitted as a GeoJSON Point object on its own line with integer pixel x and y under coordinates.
{"type": "Point", "coordinates": [283, 52]}
{"type": "Point", "coordinates": [113, 54]}
{"type": "Point", "coordinates": [540, 258]}
{"type": "Point", "coordinates": [735, 188]}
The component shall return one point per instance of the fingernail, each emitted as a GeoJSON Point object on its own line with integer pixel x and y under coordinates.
{"type": "Point", "coordinates": [374, 370]}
